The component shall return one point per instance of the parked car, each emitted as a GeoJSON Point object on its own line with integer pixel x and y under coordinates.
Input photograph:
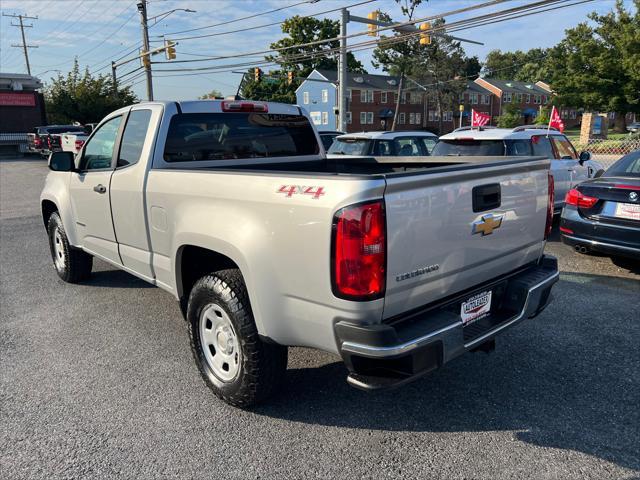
{"type": "Point", "coordinates": [46, 139]}
{"type": "Point", "coordinates": [633, 127]}
{"type": "Point", "coordinates": [384, 144]}
{"type": "Point", "coordinates": [567, 167]}
{"type": "Point", "coordinates": [327, 138]}
{"type": "Point", "coordinates": [233, 208]}
{"type": "Point", "coordinates": [603, 214]}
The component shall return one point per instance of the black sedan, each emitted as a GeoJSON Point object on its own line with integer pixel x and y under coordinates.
{"type": "Point", "coordinates": [603, 214]}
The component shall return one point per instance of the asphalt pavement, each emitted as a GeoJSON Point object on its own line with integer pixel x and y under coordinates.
{"type": "Point", "coordinates": [97, 381]}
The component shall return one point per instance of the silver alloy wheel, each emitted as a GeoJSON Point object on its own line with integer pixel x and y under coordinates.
{"type": "Point", "coordinates": [220, 343]}
{"type": "Point", "coordinates": [59, 253]}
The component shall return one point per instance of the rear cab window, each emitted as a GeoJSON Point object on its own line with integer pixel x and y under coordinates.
{"type": "Point", "coordinates": [564, 148]}
{"type": "Point", "coordinates": [350, 146]}
{"type": "Point", "coordinates": [471, 147]}
{"type": "Point", "coordinates": [238, 135]}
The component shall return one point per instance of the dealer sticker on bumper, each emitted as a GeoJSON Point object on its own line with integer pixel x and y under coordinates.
{"type": "Point", "coordinates": [476, 307]}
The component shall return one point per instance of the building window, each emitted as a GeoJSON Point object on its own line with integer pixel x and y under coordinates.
{"type": "Point", "coordinates": [349, 94]}
{"type": "Point", "coordinates": [431, 116]}
{"type": "Point", "coordinates": [383, 97]}
{"type": "Point", "coordinates": [528, 100]}
{"type": "Point", "coordinates": [461, 97]}
{"type": "Point", "coordinates": [506, 97]}
{"type": "Point", "coordinates": [447, 116]}
{"type": "Point", "coordinates": [418, 118]}
{"type": "Point", "coordinates": [403, 97]}
{"type": "Point", "coordinates": [412, 118]}
{"type": "Point", "coordinates": [325, 118]}
{"type": "Point", "coordinates": [348, 118]}
{"type": "Point", "coordinates": [305, 98]}
{"type": "Point", "coordinates": [363, 118]}
{"type": "Point", "coordinates": [401, 118]}
{"type": "Point", "coordinates": [363, 96]}
{"type": "Point", "coordinates": [415, 97]}
{"type": "Point", "coordinates": [325, 95]}
{"type": "Point", "coordinates": [612, 115]}
{"type": "Point", "coordinates": [536, 99]}
{"type": "Point", "coordinates": [572, 115]}
{"type": "Point", "coordinates": [484, 99]}
{"type": "Point", "coordinates": [316, 118]}
{"type": "Point", "coordinates": [370, 118]}
{"type": "Point", "coordinates": [518, 98]}
{"type": "Point", "coordinates": [473, 98]}
{"type": "Point", "coordinates": [369, 96]}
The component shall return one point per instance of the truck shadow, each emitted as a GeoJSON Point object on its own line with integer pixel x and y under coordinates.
{"type": "Point", "coordinates": [115, 279]}
{"type": "Point", "coordinates": [576, 388]}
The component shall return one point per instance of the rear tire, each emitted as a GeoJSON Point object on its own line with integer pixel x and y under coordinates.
{"type": "Point", "coordinates": [234, 362]}
{"type": "Point", "coordinates": [72, 264]}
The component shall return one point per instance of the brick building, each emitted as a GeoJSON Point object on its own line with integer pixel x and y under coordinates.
{"type": "Point", "coordinates": [370, 103]}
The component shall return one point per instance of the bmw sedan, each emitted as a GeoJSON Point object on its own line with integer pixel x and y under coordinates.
{"type": "Point", "coordinates": [603, 214]}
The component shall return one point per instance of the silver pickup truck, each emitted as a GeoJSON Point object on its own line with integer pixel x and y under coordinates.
{"type": "Point", "coordinates": [395, 264]}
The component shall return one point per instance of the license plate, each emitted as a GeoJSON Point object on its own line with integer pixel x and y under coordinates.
{"type": "Point", "coordinates": [628, 210]}
{"type": "Point", "coordinates": [476, 307]}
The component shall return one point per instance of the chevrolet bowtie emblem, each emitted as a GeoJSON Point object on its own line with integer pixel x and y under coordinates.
{"type": "Point", "coordinates": [487, 224]}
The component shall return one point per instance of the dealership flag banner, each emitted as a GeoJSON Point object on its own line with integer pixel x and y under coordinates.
{"type": "Point", "coordinates": [555, 121]}
{"type": "Point", "coordinates": [479, 119]}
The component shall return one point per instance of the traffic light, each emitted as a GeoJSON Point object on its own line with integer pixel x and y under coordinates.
{"type": "Point", "coordinates": [289, 78]}
{"type": "Point", "coordinates": [169, 49]}
{"type": "Point", "coordinates": [146, 60]}
{"type": "Point", "coordinates": [373, 29]}
{"type": "Point", "coordinates": [257, 74]}
{"type": "Point", "coordinates": [425, 38]}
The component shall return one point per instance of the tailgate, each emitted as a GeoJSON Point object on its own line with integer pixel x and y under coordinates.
{"type": "Point", "coordinates": [438, 245]}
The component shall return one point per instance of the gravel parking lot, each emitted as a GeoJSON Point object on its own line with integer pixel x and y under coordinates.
{"type": "Point", "coordinates": [97, 380]}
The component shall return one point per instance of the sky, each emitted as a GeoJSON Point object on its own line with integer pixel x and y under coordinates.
{"type": "Point", "coordinates": [99, 31]}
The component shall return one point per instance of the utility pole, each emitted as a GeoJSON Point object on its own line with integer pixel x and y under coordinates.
{"type": "Point", "coordinates": [342, 72]}
{"type": "Point", "coordinates": [113, 77]}
{"type": "Point", "coordinates": [24, 44]}
{"type": "Point", "coordinates": [146, 58]}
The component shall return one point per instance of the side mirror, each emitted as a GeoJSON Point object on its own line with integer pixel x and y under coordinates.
{"type": "Point", "coordinates": [584, 156]}
{"type": "Point", "coordinates": [61, 161]}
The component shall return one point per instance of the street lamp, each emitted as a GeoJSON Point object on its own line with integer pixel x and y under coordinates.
{"type": "Point", "coordinates": [162, 16]}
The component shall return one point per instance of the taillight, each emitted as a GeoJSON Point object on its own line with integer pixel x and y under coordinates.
{"type": "Point", "coordinates": [359, 251]}
{"type": "Point", "coordinates": [37, 142]}
{"type": "Point", "coordinates": [578, 199]}
{"type": "Point", "coordinates": [49, 142]}
{"type": "Point", "coordinates": [79, 144]}
{"type": "Point", "coordinates": [244, 107]}
{"type": "Point", "coordinates": [550, 200]}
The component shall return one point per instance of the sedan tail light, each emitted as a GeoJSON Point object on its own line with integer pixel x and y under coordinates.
{"type": "Point", "coordinates": [79, 144]}
{"type": "Point", "coordinates": [578, 199]}
{"type": "Point", "coordinates": [359, 252]}
{"type": "Point", "coordinates": [550, 206]}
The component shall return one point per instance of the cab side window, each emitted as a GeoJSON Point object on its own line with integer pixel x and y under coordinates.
{"type": "Point", "coordinates": [383, 148]}
{"type": "Point", "coordinates": [542, 146]}
{"type": "Point", "coordinates": [98, 151]}
{"type": "Point", "coordinates": [564, 148]}
{"type": "Point", "coordinates": [407, 147]}
{"type": "Point", "coordinates": [133, 137]}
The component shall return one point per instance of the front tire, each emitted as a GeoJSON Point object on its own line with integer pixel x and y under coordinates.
{"type": "Point", "coordinates": [71, 264]}
{"type": "Point", "coordinates": [234, 362]}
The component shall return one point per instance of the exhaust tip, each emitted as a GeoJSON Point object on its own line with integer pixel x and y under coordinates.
{"type": "Point", "coordinates": [581, 249]}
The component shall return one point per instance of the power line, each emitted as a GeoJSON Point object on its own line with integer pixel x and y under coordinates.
{"type": "Point", "coordinates": [244, 18]}
{"type": "Point", "coordinates": [269, 24]}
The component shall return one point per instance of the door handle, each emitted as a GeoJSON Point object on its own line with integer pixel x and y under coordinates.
{"type": "Point", "coordinates": [100, 188]}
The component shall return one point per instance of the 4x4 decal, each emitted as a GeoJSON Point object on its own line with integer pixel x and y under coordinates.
{"type": "Point", "coordinates": [290, 190]}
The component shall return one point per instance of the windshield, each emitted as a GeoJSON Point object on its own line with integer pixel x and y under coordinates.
{"type": "Point", "coordinates": [469, 147]}
{"type": "Point", "coordinates": [350, 146]}
{"type": "Point", "coordinates": [628, 166]}
{"type": "Point", "coordinates": [222, 136]}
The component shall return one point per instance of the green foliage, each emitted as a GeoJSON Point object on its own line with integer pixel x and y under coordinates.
{"type": "Point", "coordinates": [544, 115]}
{"type": "Point", "coordinates": [521, 66]}
{"type": "Point", "coordinates": [598, 67]}
{"type": "Point", "coordinates": [510, 117]}
{"type": "Point", "coordinates": [398, 59]}
{"type": "Point", "coordinates": [298, 30]}
{"type": "Point", "coordinates": [83, 97]}
{"type": "Point", "coordinates": [211, 95]}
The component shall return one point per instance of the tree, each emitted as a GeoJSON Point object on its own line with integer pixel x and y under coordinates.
{"type": "Point", "coordinates": [443, 66]}
{"type": "Point", "coordinates": [398, 58]}
{"type": "Point", "coordinates": [300, 60]}
{"type": "Point", "coordinates": [510, 117]}
{"type": "Point", "coordinates": [598, 67]}
{"type": "Point", "coordinates": [84, 98]}
{"type": "Point", "coordinates": [522, 66]}
{"type": "Point", "coordinates": [544, 115]}
{"type": "Point", "coordinates": [213, 94]}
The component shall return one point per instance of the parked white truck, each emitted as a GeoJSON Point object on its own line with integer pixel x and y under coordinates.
{"type": "Point", "coordinates": [396, 264]}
